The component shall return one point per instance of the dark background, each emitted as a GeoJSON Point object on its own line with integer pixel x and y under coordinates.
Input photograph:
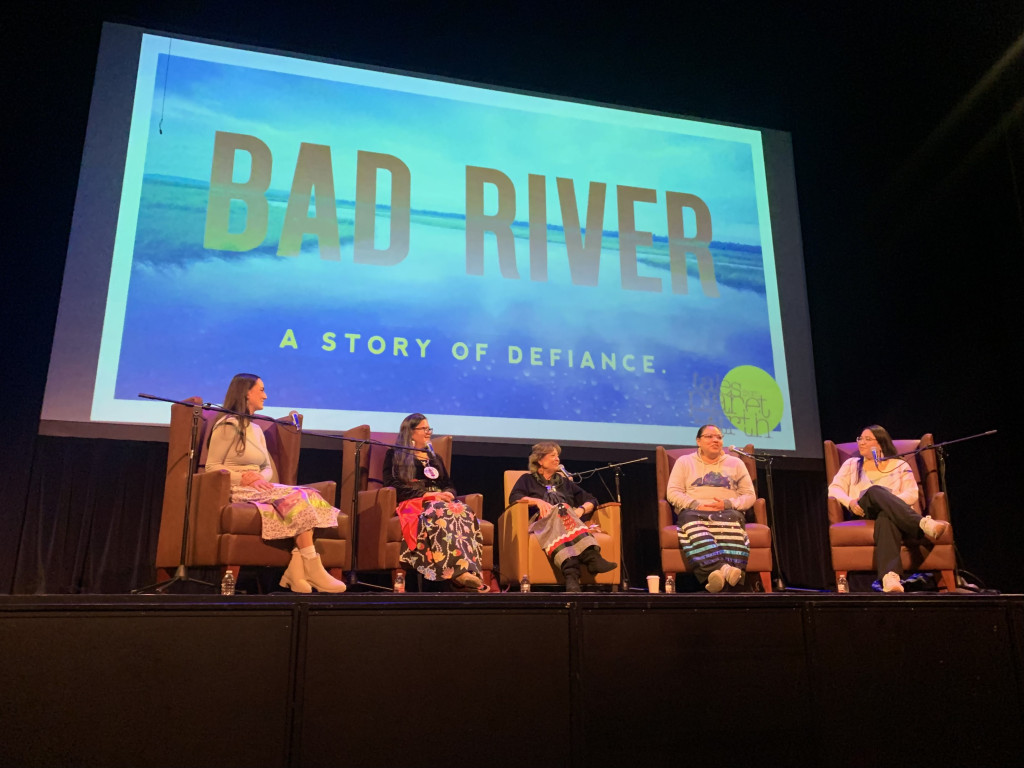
{"type": "Point", "coordinates": [908, 130]}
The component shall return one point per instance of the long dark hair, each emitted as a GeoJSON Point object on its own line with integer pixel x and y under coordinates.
{"type": "Point", "coordinates": [402, 464]}
{"type": "Point", "coordinates": [237, 399]}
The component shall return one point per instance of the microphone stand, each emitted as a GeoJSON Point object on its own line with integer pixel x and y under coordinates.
{"type": "Point", "coordinates": [181, 572]}
{"type": "Point", "coordinates": [618, 497]}
{"type": "Point", "coordinates": [940, 456]}
{"type": "Point", "coordinates": [767, 459]}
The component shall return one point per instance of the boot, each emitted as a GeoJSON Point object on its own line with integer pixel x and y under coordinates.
{"type": "Point", "coordinates": [571, 571]}
{"type": "Point", "coordinates": [319, 578]}
{"type": "Point", "coordinates": [294, 576]}
{"type": "Point", "coordinates": [592, 559]}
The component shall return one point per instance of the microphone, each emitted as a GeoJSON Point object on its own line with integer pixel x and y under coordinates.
{"type": "Point", "coordinates": [734, 449]}
{"type": "Point", "coordinates": [563, 472]}
{"type": "Point", "coordinates": [430, 448]}
{"type": "Point", "coordinates": [874, 457]}
{"type": "Point", "coordinates": [295, 420]}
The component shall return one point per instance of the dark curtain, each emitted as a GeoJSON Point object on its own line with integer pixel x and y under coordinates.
{"type": "Point", "coordinates": [91, 515]}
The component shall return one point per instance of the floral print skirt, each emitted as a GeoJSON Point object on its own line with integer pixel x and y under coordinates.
{"type": "Point", "coordinates": [441, 538]}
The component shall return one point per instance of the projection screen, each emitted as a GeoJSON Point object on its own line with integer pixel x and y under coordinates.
{"type": "Point", "coordinates": [374, 243]}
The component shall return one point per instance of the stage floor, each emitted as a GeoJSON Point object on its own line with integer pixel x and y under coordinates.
{"type": "Point", "coordinates": [593, 679]}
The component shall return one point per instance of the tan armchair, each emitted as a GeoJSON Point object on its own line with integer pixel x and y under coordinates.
{"type": "Point", "coordinates": [521, 554]}
{"type": "Point", "coordinates": [760, 535]}
{"type": "Point", "coordinates": [853, 541]}
{"type": "Point", "coordinates": [222, 533]}
{"type": "Point", "coordinates": [380, 532]}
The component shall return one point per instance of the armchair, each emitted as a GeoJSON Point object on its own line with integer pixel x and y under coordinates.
{"type": "Point", "coordinates": [380, 533]}
{"type": "Point", "coordinates": [760, 535]}
{"type": "Point", "coordinates": [852, 540]}
{"type": "Point", "coordinates": [521, 554]}
{"type": "Point", "coordinates": [222, 533]}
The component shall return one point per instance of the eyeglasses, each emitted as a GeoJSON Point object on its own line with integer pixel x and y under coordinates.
{"type": "Point", "coordinates": [871, 439]}
{"type": "Point", "coordinates": [711, 437]}
{"type": "Point", "coordinates": [428, 430]}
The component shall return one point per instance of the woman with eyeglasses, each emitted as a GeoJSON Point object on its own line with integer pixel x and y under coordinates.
{"type": "Point", "coordinates": [711, 492]}
{"type": "Point", "coordinates": [876, 487]}
{"type": "Point", "coordinates": [441, 535]}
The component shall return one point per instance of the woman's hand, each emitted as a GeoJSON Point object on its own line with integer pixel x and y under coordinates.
{"type": "Point", "coordinates": [714, 505]}
{"type": "Point", "coordinates": [256, 480]}
{"type": "Point", "coordinates": [544, 508]}
{"type": "Point", "coordinates": [857, 509]}
{"type": "Point", "coordinates": [445, 496]}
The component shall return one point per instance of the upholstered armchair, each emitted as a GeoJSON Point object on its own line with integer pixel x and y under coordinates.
{"type": "Point", "coordinates": [222, 533]}
{"type": "Point", "coordinates": [852, 539]}
{"type": "Point", "coordinates": [760, 535]}
{"type": "Point", "coordinates": [380, 532]}
{"type": "Point", "coordinates": [521, 554]}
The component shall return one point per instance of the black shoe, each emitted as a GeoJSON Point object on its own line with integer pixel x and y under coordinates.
{"type": "Point", "coordinates": [592, 559]}
{"type": "Point", "coordinates": [572, 582]}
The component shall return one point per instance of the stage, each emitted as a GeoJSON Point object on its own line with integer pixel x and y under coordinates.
{"type": "Point", "coordinates": [595, 679]}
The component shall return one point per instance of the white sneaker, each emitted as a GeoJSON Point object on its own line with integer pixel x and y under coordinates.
{"type": "Point", "coordinates": [716, 580]}
{"type": "Point", "coordinates": [891, 582]}
{"type": "Point", "coordinates": [932, 528]}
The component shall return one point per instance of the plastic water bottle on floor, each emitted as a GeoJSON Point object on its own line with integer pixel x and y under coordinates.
{"type": "Point", "coordinates": [670, 584]}
{"type": "Point", "coordinates": [227, 584]}
{"type": "Point", "coordinates": [524, 583]}
{"type": "Point", "coordinates": [399, 582]}
{"type": "Point", "coordinates": [842, 585]}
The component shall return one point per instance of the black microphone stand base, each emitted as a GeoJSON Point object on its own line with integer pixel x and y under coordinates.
{"type": "Point", "coordinates": [180, 577]}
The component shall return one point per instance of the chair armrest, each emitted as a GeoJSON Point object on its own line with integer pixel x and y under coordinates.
{"type": "Point", "coordinates": [513, 541]}
{"type": "Point", "coordinates": [938, 507]}
{"type": "Point", "coordinates": [374, 509]}
{"type": "Point", "coordinates": [211, 491]}
{"type": "Point", "coordinates": [760, 512]}
{"type": "Point", "coordinates": [475, 501]}
{"type": "Point", "coordinates": [609, 517]}
{"type": "Point", "coordinates": [835, 512]}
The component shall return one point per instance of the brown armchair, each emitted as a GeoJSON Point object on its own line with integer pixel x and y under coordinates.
{"type": "Point", "coordinates": [222, 533]}
{"type": "Point", "coordinates": [853, 541]}
{"type": "Point", "coordinates": [521, 554]}
{"type": "Point", "coordinates": [380, 532]}
{"type": "Point", "coordinates": [760, 535]}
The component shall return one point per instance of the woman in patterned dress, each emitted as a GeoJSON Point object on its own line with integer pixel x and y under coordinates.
{"type": "Point", "coordinates": [288, 513]}
{"type": "Point", "coordinates": [440, 535]}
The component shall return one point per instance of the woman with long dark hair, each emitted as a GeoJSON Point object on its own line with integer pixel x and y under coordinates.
{"type": "Point", "coordinates": [877, 487]}
{"type": "Point", "coordinates": [288, 513]}
{"type": "Point", "coordinates": [441, 535]}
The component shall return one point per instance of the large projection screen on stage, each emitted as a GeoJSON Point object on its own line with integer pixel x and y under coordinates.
{"type": "Point", "coordinates": [517, 266]}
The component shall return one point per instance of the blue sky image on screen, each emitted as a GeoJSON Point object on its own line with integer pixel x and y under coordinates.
{"type": "Point", "coordinates": [194, 316]}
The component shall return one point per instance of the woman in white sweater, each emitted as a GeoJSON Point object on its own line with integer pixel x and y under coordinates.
{"type": "Point", "coordinates": [288, 513]}
{"type": "Point", "coordinates": [877, 487]}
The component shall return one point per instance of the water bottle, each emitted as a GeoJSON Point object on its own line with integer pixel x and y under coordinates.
{"type": "Point", "coordinates": [524, 583]}
{"type": "Point", "coordinates": [842, 585]}
{"type": "Point", "coordinates": [670, 584]}
{"type": "Point", "coordinates": [399, 582]}
{"type": "Point", "coordinates": [227, 584]}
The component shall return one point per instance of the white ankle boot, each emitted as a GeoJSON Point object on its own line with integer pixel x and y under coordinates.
{"type": "Point", "coordinates": [295, 576]}
{"type": "Point", "coordinates": [319, 578]}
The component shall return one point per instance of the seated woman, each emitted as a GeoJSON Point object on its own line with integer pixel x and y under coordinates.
{"type": "Point", "coordinates": [287, 512]}
{"type": "Point", "coordinates": [557, 506]}
{"type": "Point", "coordinates": [880, 489]}
{"type": "Point", "coordinates": [711, 491]}
{"type": "Point", "coordinates": [441, 535]}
